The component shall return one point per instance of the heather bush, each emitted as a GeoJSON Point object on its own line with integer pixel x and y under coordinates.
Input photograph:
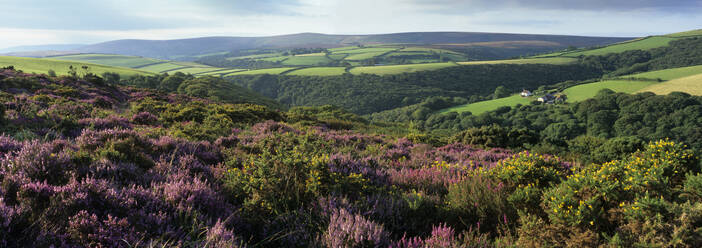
{"type": "Point", "coordinates": [480, 200]}
{"type": "Point", "coordinates": [77, 169]}
{"type": "Point", "coordinates": [352, 230]}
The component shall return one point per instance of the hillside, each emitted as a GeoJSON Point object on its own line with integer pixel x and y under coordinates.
{"type": "Point", "coordinates": [172, 49]}
{"type": "Point", "coordinates": [102, 165]}
{"type": "Point", "coordinates": [690, 84]}
{"type": "Point", "coordinates": [42, 66]}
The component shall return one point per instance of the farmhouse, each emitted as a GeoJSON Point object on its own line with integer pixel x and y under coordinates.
{"type": "Point", "coordinates": [548, 98]}
{"type": "Point", "coordinates": [526, 93]}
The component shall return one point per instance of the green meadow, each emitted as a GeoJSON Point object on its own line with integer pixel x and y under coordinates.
{"type": "Point", "coordinates": [584, 91]}
{"type": "Point", "coordinates": [158, 68]}
{"type": "Point", "coordinates": [641, 44]}
{"type": "Point", "coordinates": [363, 56]}
{"type": "Point", "coordinates": [690, 84]}
{"type": "Point", "coordinates": [110, 60]}
{"type": "Point", "coordinates": [274, 71]}
{"type": "Point", "coordinates": [306, 60]}
{"type": "Point", "coordinates": [670, 74]}
{"type": "Point", "coordinates": [398, 69]}
{"type": "Point", "coordinates": [34, 65]}
{"type": "Point", "coordinates": [319, 71]}
{"type": "Point", "coordinates": [485, 106]}
{"type": "Point", "coordinates": [552, 61]}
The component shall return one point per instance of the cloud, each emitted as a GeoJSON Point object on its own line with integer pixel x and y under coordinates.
{"type": "Point", "coordinates": [469, 6]}
{"type": "Point", "coordinates": [133, 14]}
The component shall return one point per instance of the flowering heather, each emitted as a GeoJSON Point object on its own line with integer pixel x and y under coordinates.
{"type": "Point", "coordinates": [86, 165]}
{"type": "Point", "coordinates": [352, 230]}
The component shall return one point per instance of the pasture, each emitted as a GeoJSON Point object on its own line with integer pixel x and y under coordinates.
{"type": "Point", "coordinates": [478, 108]}
{"type": "Point", "coordinates": [319, 71]}
{"type": "Point", "coordinates": [398, 69]}
{"type": "Point", "coordinates": [110, 60]}
{"type": "Point", "coordinates": [306, 60]}
{"type": "Point", "coordinates": [42, 66]}
{"type": "Point", "coordinates": [274, 71]}
{"type": "Point", "coordinates": [669, 74]}
{"type": "Point", "coordinates": [690, 84]}
{"type": "Point", "coordinates": [584, 91]}
{"type": "Point", "coordinates": [552, 61]}
{"type": "Point", "coordinates": [641, 44]}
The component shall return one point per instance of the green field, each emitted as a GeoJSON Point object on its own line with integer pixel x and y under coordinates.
{"type": "Point", "coordinates": [306, 60]}
{"type": "Point", "coordinates": [402, 53]}
{"type": "Point", "coordinates": [338, 56]}
{"type": "Point", "coordinates": [363, 56]}
{"type": "Point", "coordinates": [157, 68]}
{"type": "Point", "coordinates": [670, 74]}
{"type": "Point", "coordinates": [110, 60]}
{"type": "Point", "coordinates": [398, 69]}
{"type": "Point", "coordinates": [426, 49]}
{"type": "Point", "coordinates": [691, 85]}
{"type": "Point", "coordinates": [697, 32]}
{"type": "Point", "coordinates": [196, 70]}
{"type": "Point", "coordinates": [319, 71]}
{"type": "Point", "coordinates": [369, 50]}
{"type": "Point", "coordinates": [34, 65]}
{"type": "Point", "coordinates": [552, 61]}
{"type": "Point", "coordinates": [338, 49]}
{"type": "Point", "coordinates": [642, 44]}
{"type": "Point", "coordinates": [257, 56]}
{"type": "Point", "coordinates": [220, 72]}
{"type": "Point", "coordinates": [485, 106]}
{"type": "Point", "coordinates": [584, 91]}
{"type": "Point", "coordinates": [275, 59]}
{"type": "Point", "coordinates": [274, 71]}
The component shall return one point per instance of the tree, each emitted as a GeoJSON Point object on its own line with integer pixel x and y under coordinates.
{"type": "Point", "coordinates": [51, 73]}
{"type": "Point", "coordinates": [111, 77]}
{"type": "Point", "coordinates": [501, 92]}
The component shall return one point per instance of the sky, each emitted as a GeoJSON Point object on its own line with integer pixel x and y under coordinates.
{"type": "Point", "coordinates": [39, 22]}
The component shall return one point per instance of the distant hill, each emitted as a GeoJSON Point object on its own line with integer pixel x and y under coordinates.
{"type": "Point", "coordinates": [173, 49]}
{"type": "Point", "coordinates": [52, 47]}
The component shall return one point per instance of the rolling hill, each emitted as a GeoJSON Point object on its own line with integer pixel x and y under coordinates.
{"type": "Point", "coordinates": [171, 49]}
{"type": "Point", "coordinates": [61, 67]}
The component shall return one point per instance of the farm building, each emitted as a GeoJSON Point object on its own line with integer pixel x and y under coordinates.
{"type": "Point", "coordinates": [526, 93]}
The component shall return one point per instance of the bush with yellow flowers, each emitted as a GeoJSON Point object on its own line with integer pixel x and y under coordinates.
{"type": "Point", "coordinates": [526, 175]}
{"type": "Point", "coordinates": [601, 197]}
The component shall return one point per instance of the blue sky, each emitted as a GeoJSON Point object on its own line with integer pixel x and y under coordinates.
{"type": "Point", "coordinates": [34, 22]}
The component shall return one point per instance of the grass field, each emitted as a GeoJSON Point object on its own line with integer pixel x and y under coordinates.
{"type": "Point", "coordinates": [338, 56]}
{"type": "Point", "coordinates": [427, 49]}
{"type": "Point", "coordinates": [276, 59]}
{"type": "Point", "coordinates": [552, 61]}
{"type": "Point", "coordinates": [311, 54]}
{"type": "Point", "coordinates": [274, 71]}
{"type": "Point", "coordinates": [319, 71]}
{"type": "Point", "coordinates": [362, 56]}
{"type": "Point", "coordinates": [306, 60]}
{"type": "Point", "coordinates": [584, 91]}
{"type": "Point", "coordinates": [257, 56]}
{"type": "Point", "coordinates": [369, 50]}
{"type": "Point", "coordinates": [691, 85]}
{"type": "Point", "coordinates": [110, 60]}
{"type": "Point", "coordinates": [34, 65]}
{"type": "Point", "coordinates": [485, 106]}
{"type": "Point", "coordinates": [397, 69]}
{"type": "Point", "coordinates": [196, 70]}
{"type": "Point", "coordinates": [670, 74]}
{"type": "Point", "coordinates": [339, 49]}
{"type": "Point", "coordinates": [157, 68]}
{"type": "Point", "coordinates": [697, 32]}
{"type": "Point", "coordinates": [643, 44]}
{"type": "Point", "coordinates": [220, 72]}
